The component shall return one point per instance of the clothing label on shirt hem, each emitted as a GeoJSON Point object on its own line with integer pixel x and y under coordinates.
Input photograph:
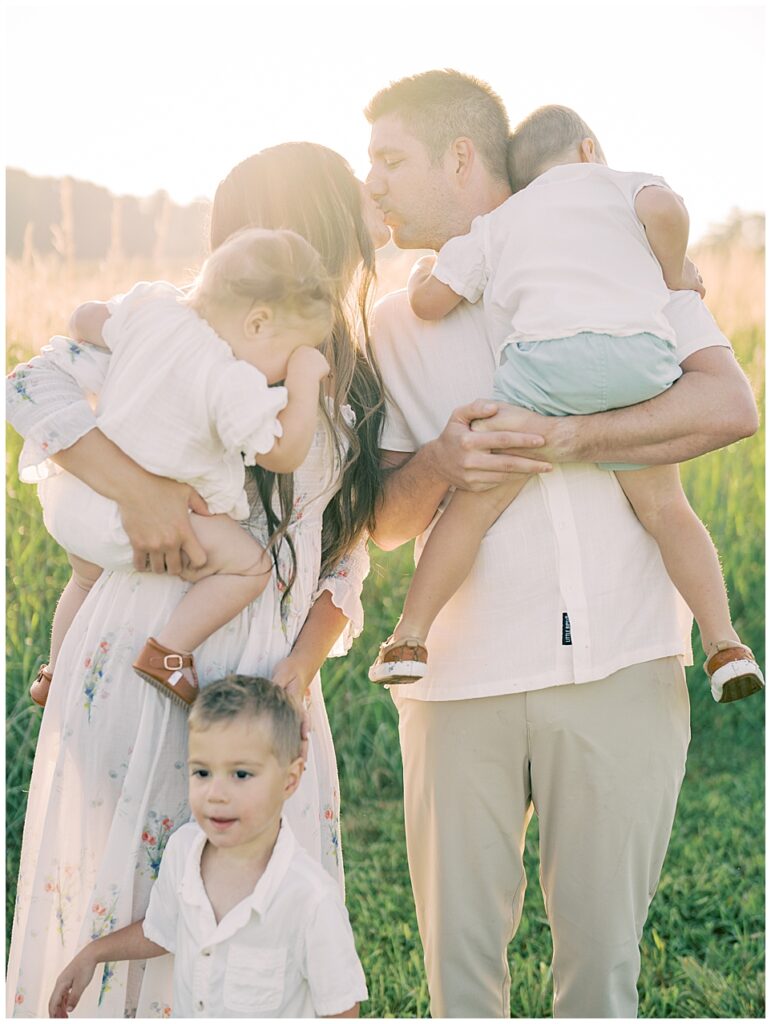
{"type": "Point", "coordinates": [566, 638]}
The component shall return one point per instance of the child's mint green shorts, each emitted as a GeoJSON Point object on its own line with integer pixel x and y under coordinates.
{"type": "Point", "coordinates": [586, 373]}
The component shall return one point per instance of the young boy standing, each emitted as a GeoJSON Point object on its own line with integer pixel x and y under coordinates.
{"type": "Point", "coordinates": [258, 929]}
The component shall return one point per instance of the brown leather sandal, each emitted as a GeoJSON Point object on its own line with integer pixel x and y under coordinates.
{"type": "Point", "coordinates": [171, 672]}
{"type": "Point", "coordinates": [400, 661]}
{"type": "Point", "coordinates": [41, 684]}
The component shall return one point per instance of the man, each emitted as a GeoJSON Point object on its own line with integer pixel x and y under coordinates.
{"type": "Point", "coordinates": [556, 679]}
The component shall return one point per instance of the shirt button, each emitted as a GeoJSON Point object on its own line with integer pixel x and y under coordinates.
{"type": "Point", "coordinates": [199, 1004]}
{"type": "Point", "coordinates": [206, 952]}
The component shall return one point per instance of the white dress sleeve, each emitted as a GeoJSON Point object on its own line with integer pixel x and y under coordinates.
{"type": "Point", "coordinates": [46, 401]}
{"type": "Point", "coordinates": [462, 262]}
{"type": "Point", "coordinates": [344, 583]}
{"type": "Point", "coordinates": [244, 409]}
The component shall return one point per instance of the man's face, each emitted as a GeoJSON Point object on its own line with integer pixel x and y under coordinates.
{"type": "Point", "coordinates": [415, 194]}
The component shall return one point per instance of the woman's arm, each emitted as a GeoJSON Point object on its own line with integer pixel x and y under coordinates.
{"type": "Point", "coordinates": [46, 403]}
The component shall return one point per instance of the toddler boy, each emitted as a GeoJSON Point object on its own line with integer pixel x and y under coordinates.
{"type": "Point", "coordinates": [257, 927]}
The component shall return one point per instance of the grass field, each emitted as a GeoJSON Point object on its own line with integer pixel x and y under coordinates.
{"type": "Point", "coordinates": [703, 948]}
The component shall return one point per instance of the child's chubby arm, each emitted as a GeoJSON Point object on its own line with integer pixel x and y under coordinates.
{"type": "Point", "coordinates": [665, 219]}
{"type": "Point", "coordinates": [307, 367]}
{"type": "Point", "coordinates": [429, 297]}
{"type": "Point", "coordinates": [87, 321]}
{"type": "Point", "coordinates": [127, 943]}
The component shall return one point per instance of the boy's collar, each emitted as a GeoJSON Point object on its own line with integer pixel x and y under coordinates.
{"type": "Point", "coordinates": [192, 890]}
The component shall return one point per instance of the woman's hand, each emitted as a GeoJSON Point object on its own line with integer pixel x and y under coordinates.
{"type": "Point", "coordinates": [157, 522]}
{"type": "Point", "coordinates": [291, 676]}
{"type": "Point", "coordinates": [71, 984]}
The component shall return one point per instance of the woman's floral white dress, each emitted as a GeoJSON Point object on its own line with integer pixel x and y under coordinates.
{"type": "Point", "coordinates": [109, 781]}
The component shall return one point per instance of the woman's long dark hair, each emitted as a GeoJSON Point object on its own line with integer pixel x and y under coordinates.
{"type": "Point", "coordinates": [312, 190]}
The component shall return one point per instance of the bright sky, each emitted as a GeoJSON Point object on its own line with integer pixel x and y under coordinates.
{"type": "Point", "coordinates": [142, 97]}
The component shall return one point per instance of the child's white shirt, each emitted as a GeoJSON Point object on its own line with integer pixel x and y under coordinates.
{"type": "Point", "coordinates": [178, 402]}
{"type": "Point", "coordinates": [287, 950]}
{"type": "Point", "coordinates": [566, 254]}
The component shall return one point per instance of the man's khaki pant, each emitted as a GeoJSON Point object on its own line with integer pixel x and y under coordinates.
{"type": "Point", "coordinates": [601, 763]}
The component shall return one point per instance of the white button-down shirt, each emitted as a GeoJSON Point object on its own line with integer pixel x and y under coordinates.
{"type": "Point", "coordinates": [567, 586]}
{"type": "Point", "coordinates": [287, 950]}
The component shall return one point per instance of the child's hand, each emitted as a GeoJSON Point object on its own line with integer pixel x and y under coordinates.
{"type": "Point", "coordinates": [308, 361]}
{"type": "Point", "coordinates": [691, 279]}
{"type": "Point", "coordinates": [71, 984]}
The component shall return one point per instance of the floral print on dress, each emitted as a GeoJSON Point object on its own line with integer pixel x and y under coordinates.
{"type": "Point", "coordinates": [330, 823]}
{"type": "Point", "coordinates": [94, 675]}
{"type": "Point", "coordinates": [104, 917]}
{"type": "Point", "coordinates": [155, 836]}
{"type": "Point", "coordinates": [62, 890]}
{"type": "Point", "coordinates": [107, 975]}
{"type": "Point", "coordinates": [160, 1009]}
{"type": "Point", "coordinates": [18, 382]}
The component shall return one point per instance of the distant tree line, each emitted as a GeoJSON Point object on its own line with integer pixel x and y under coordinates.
{"type": "Point", "coordinates": [83, 221]}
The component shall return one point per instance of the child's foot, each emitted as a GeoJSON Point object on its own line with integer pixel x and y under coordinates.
{"type": "Point", "coordinates": [400, 661]}
{"type": "Point", "coordinates": [733, 672]}
{"type": "Point", "coordinates": [41, 684]}
{"type": "Point", "coordinates": [171, 672]}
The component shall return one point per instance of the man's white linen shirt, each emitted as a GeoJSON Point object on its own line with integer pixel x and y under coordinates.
{"type": "Point", "coordinates": [287, 950]}
{"type": "Point", "coordinates": [565, 255]}
{"type": "Point", "coordinates": [568, 545]}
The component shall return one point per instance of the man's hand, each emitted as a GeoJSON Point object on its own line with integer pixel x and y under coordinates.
{"type": "Point", "coordinates": [290, 676]}
{"type": "Point", "coordinates": [478, 449]}
{"type": "Point", "coordinates": [158, 525]}
{"type": "Point", "coordinates": [71, 984]}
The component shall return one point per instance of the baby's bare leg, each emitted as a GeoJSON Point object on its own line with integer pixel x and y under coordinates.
{"type": "Point", "coordinates": [237, 571]}
{"type": "Point", "coordinates": [691, 560]}
{"type": "Point", "coordinates": [84, 576]}
{"type": "Point", "coordinates": [450, 552]}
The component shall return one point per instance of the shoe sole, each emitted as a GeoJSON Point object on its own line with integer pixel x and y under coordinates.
{"type": "Point", "coordinates": [398, 672]}
{"type": "Point", "coordinates": [164, 688]}
{"type": "Point", "coordinates": [736, 680]}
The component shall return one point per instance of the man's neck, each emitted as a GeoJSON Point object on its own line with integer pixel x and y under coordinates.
{"type": "Point", "coordinates": [486, 198]}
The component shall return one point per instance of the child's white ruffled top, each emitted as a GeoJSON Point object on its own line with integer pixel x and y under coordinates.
{"type": "Point", "coordinates": [178, 401]}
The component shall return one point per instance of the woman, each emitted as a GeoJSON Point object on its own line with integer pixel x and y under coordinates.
{"type": "Point", "coordinates": [109, 779]}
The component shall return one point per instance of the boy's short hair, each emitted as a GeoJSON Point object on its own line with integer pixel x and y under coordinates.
{"type": "Point", "coordinates": [440, 106]}
{"type": "Point", "coordinates": [543, 136]}
{"type": "Point", "coordinates": [236, 696]}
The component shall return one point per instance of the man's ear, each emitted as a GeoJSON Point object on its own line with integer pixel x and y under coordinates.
{"type": "Point", "coordinates": [257, 318]}
{"type": "Point", "coordinates": [293, 775]}
{"type": "Point", "coordinates": [462, 155]}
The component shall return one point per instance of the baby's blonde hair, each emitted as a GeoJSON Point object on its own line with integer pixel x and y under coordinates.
{"type": "Point", "coordinates": [544, 136]}
{"type": "Point", "coordinates": [276, 267]}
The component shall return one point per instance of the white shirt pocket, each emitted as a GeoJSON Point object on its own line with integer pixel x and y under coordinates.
{"type": "Point", "coordinates": [254, 978]}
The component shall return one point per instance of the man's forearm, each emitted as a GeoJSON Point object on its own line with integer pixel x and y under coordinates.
{"type": "Point", "coordinates": [709, 407]}
{"type": "Point", "coordinates": [412, 494]}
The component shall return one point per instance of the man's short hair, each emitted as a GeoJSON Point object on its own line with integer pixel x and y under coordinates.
{"type": "Point", "coordinates": [251, 696]}
{"type": "Point", "coordinates": [549, 132]}
{"type": "Point", "coordinates": [440, 106]}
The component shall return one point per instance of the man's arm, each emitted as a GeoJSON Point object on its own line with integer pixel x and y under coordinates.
{"type": "Point", "coordinates": [416, 484]}
{"type": "Point", "coordinates": [709, 407]}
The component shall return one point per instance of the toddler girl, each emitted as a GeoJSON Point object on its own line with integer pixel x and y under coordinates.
{"type": "Point", "coordinates": [574, 268]}
{"type": "Point", "coordinates": [190, 394]}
